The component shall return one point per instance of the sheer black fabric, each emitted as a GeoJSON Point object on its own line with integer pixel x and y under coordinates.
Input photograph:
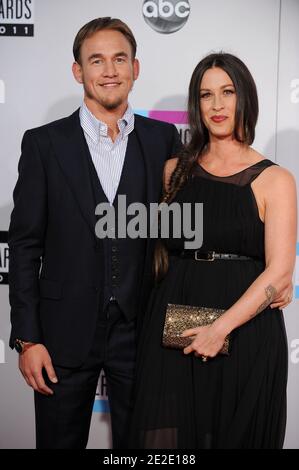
{"type": "Point", "coordinates": [236, 402]}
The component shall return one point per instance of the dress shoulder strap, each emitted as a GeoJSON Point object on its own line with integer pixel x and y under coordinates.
{"type": "Point", "coordinates": [251, 173]}
{"type": "Point", "coordinates": [242, 178]}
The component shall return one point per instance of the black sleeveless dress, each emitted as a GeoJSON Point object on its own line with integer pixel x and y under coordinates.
{"type": "Point", "coordinates": [236, 401]}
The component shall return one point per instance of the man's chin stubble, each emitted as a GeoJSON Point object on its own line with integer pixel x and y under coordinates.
{"type": "Point", "coordinates": [112, 105]}
{"type": "Point", "coordinates": [108, 105]}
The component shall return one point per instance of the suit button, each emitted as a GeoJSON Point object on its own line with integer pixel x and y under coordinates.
{"type": "Point", "coordinates": [114, 249]}
{"type": "Point", "coordinates": [114, 258]}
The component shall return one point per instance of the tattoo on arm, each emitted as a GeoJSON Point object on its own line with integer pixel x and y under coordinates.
{"type": "Point", "coordinates": [270, 294]}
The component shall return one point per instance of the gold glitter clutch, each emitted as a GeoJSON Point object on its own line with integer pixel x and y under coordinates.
{"type": "Point", "coordinates": [182, 317]}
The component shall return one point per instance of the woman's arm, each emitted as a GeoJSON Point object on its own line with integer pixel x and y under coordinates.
{"type": "Point", "coordinates": [276, 192]}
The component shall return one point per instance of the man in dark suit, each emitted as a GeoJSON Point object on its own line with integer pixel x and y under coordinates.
{"type": "Point", "coordinates": [75, 297]}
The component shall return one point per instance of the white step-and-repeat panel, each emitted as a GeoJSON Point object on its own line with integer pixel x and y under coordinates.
{"type": "Point", "coordinates": [37, 86]}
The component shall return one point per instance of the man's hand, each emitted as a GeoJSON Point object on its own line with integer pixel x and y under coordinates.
{"type": "Point", "coordinates": [31, 364]}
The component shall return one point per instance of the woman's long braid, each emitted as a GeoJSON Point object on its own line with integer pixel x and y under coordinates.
{"type": "Point", "coordinates": [177, 180]}
{"type": "Point", "coordinates": [179, 176]}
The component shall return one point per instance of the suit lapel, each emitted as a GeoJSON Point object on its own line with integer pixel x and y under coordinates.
{"type": "Point", "coordinates": [154, 170]}
{"type": "Point", "coordinates": [71, 152]}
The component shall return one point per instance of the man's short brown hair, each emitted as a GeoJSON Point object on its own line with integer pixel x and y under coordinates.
{"type": "Point", "coordinates": [100, 24]}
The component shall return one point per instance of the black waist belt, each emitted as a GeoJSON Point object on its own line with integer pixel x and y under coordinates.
{"type": "Point", "coordinates": [198, 255]}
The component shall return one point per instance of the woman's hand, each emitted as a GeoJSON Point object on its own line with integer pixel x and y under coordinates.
{"type": "Point", "coordinates": [208, 340]}
{"type": "Point", "coordinates": [284, 299]}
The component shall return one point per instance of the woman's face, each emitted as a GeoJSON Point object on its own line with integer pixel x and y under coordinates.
{"type": "Point", "coordinates": [218, 103]}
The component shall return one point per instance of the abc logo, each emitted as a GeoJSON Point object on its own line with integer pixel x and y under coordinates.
{"type": "Point", "coordinates": [166, 16]}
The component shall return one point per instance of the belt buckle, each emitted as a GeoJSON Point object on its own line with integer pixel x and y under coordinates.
{"type": "Point", "coordinates": [211, 256]}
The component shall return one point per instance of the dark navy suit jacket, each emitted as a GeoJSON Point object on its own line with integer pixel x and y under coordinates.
{"type": "Point", "coordinates": [55, 269]}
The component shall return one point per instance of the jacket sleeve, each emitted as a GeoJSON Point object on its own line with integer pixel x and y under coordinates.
{"type": "Point", "coordinates": [26, 243]}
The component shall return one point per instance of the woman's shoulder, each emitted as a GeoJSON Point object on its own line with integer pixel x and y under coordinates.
{"type": "Point", "coordinates": [272, 171]}
{"type": "Point", "coordinates": [274, 179]}
{"type": "Point", "coordinates": [171, 164]}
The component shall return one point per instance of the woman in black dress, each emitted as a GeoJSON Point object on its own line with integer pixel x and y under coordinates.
{"type": "Point", "coordinates": [199, 398]}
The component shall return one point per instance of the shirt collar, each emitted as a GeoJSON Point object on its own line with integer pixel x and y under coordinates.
{"type": "Point", "coordinates": [97, 129]}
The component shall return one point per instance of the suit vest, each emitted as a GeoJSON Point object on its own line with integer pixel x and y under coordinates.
{"type": "Point", "coordinates": [122, 258]}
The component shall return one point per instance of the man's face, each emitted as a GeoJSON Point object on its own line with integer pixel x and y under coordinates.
{"type": "Point", "coordinates": [107, 71]}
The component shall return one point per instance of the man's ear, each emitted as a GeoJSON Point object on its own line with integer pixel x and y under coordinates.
{"type": "Point", "coordinates": [136, 69]}
{"type": "Point", "coordinates": [77, 72]}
